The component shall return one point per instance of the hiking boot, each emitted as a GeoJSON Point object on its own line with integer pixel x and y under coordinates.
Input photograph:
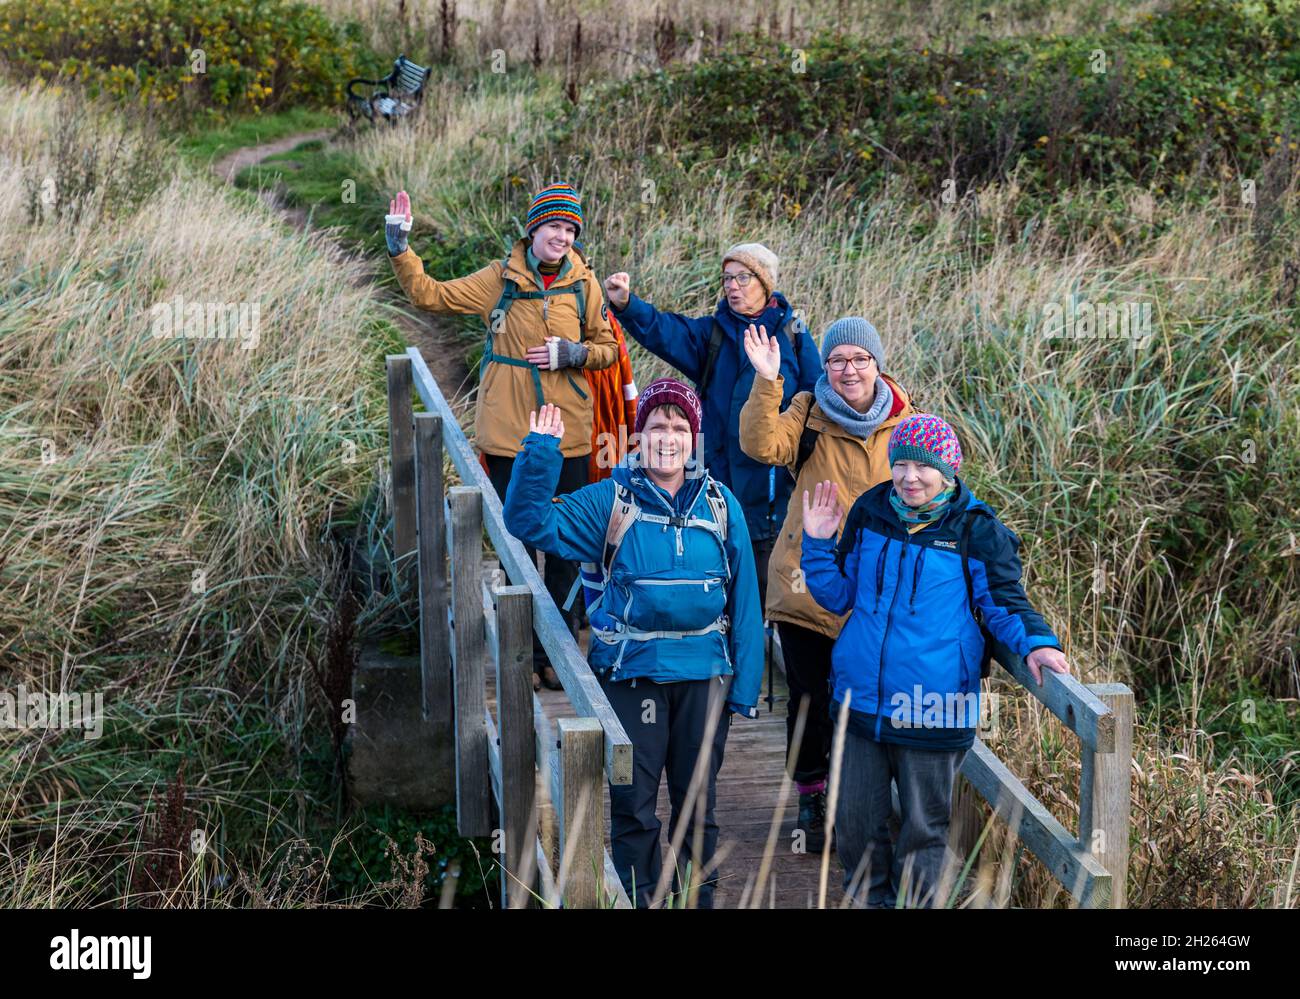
{"type": "Point", "coordinates": [812, 820]}
{"type": "Point", "coordinates": [551, 679]}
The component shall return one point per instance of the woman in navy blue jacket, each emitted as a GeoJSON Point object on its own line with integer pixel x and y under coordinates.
{"type": "Point", "coordinates": [907, 661]}
{"type": "Point", "coordinates": [749, 295]}
{"type": "Point", "coordinates": [677, 631]}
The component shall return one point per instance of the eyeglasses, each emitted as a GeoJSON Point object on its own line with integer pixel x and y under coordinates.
{"type": "Point", "coordinates": [860, 363]}
{"type": "Point", "coordinates": [742, 279]}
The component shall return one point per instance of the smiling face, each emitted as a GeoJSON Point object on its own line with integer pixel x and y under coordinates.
{"type": "Point", "coordinates": [551, 240]}
{"type": "Point", "coordinates": [915, 482]}
{"type": "Point", "coordinates": [665, 442]}
{"type": "Point", "coordinates": [750, 299]}
{"type": "Point", "coordinates": [857, 388]}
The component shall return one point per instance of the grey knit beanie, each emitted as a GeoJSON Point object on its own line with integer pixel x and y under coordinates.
{"type": "Point", "coordinates": [857, 332]}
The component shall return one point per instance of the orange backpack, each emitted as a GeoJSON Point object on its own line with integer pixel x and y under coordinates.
{"type": "Point", "coordinates": [613, 407]}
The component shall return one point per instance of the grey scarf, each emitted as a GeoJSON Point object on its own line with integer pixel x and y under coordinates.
{"type": "Point", "coordinates": [861, 425]}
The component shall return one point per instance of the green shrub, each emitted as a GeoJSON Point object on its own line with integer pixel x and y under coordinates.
{"type": "Point", "coordinates": [1204, 90]}
{"type": "Point", "coordinates": [238, 55]}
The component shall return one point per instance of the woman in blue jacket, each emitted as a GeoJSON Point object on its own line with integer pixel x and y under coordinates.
{"type": "Point", "coordinates": [749, 295]}
{"type": "Point", "coordinates": [908, 659]}
{"type": "Point", "coordinates": [677, 630]}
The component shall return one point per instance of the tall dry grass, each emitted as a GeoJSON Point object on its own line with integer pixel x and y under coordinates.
{"type": "Point", "coordinates": [166, 507]}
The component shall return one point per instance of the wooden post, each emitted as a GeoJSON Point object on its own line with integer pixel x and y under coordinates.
{"type": "Point", "coordinates": [967, 822]}
{"type": "Point", "coordinates": [402, 463]}
{"type": "Point", "coordinates": [514, 660]}
{"type": "Point", "coordinates": [582, 812]}
{"type": "Point", "coordinates": [1112, 792]}
{"type": "Point", "coordinates": [473, 816]}
{"type": "Point", "coordinates": [435, 651]}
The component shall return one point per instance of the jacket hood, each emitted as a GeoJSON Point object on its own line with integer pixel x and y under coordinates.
{"type": "Point", "coordinates": [734, 323]}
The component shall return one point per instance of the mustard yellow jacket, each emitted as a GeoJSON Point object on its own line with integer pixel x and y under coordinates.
{"type": "Point", "coordinates": [507, 393]}
{"type": "Point", "coordinates": [770, 436]}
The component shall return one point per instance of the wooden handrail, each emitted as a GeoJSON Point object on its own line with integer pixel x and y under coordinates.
{"type": "Point", "coordinates": [580, 684]}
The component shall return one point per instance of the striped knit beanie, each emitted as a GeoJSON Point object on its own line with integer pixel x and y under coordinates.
{"type": "Point", "coordinates": [559, 201]}
{"type": "Point", "coordinates": [929, 440]}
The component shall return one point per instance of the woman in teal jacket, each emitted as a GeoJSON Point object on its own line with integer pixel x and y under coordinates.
{"type": "Point", "coordinates": [677, 632]}
{"type": "Point", "coordinates": [918, 558]}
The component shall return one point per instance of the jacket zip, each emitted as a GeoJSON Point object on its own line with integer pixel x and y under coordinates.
{"type": "Point", "coordinates": [916, 577]}
{"type": "Point", "coordinates": [880, 572]}
{"type": "Point", "coordinates": [884, 642]}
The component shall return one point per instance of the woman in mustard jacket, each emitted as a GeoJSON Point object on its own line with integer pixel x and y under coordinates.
{"type": "Point", "coordinates": [546, 320]}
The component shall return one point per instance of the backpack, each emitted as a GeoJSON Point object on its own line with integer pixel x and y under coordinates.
{"type": "Point", "coordinates": [510, 293]}
{"type": "Point", "coordinates": [807, 444]}
{"type": "Point", "coordinates": [626, 511]}
{"type": "Point", "coordinates": [715, 347]}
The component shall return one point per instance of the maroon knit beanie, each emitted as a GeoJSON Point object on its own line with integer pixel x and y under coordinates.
{"type": "Point", "coordinates": [663, 391]}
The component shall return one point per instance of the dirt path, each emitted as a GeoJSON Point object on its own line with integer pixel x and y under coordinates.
{"type": "Point", "coordinates": [439, 343]}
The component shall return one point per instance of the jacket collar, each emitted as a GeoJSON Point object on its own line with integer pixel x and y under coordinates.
{"type": "Point", "coordinates": [824, 424]}
{"type": "Point", "coordinates": [629, 474]}
{"type": "Point", "coordinates": [734, 323]}
{"type": "Point", "coordinates": [878, 507]}
{"type": "Point", "coordinates": [573, 268]}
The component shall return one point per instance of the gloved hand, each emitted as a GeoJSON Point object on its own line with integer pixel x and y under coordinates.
{"type": "Point", "coordinates": [558, 353]}
{"type": "Point", "coordinates": [397, 223]}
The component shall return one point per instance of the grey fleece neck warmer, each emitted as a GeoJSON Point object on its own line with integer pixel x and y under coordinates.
{"type": "Point", "coordinates": [861, 425]}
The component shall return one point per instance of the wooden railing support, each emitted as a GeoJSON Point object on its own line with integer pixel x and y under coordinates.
{"type": "Point", "coordinates": [514, 670]}
{"type": "Point", "coordinates": [1112, 792]}
{"type": "Point", "coordinates": [466, 546]}
{"type": "Point", "coordinates": [581, 806]}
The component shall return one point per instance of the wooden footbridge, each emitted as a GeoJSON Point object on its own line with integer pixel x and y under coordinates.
{"type": "Point", "coordinates": [531, 769]}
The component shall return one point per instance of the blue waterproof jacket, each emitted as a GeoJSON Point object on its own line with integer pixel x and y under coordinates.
{"type": "Point", "coordinates": [911, 649]}
{"type": "Point", "coordinates": [669, 577]}
{"type": "Point", "coordinates": [763, 490]}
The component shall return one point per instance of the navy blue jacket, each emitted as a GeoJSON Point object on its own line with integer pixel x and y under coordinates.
{"type": "Point", "coordinates": [910, 651]}
{"type": "Point", "coordinates": [684, 343]}
{"type": "Point", "coordinates": [664, 578]}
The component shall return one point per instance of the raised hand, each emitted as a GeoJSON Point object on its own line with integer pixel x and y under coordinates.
{"type": "Point", "coordinates": [401, 205]}
{"type": "Point", "coordinates": [548, 421]}
{"type": "Point", "coordinates": [397, 223]}
{"type": "Point", "coordinates": [822, 518]}
{"type": "Point", "coordinates": [619, 289]}
{"type": "Point", "coordinates": [764, 352]}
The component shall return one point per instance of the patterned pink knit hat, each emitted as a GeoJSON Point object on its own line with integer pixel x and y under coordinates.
{"type": "Point", "coordinates": [928, 439]}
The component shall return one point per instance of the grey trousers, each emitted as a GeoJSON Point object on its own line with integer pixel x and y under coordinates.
{"type": "Point", "coordinates": [876, 871]}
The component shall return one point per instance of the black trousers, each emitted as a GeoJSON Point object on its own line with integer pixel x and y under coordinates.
{"type": "Point", "coordinates": [559, 573]}
{"type": "Point", "coordinates": [667, 723]}
{"type": "Point", "coordinates": [808, 674]}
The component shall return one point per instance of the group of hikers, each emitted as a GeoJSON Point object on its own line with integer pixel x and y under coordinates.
{"type": "Point", "coordinates": [794, 483]}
